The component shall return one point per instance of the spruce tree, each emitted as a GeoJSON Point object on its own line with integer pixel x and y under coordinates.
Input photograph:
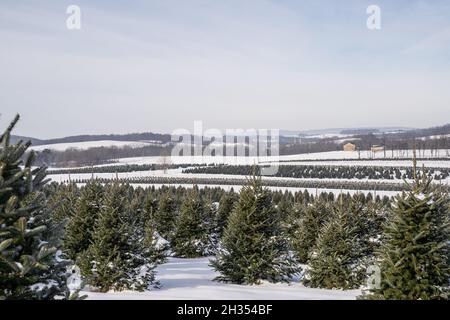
{"type": "Point", "coordinates": [191, 238]}
{"type": "Point", "coordinates": [226, 204]}
{"type": "Point", "coordinates": [210, 222]}
{"type": "Point", "coordinates": [165, 216]}
{"type": "Point", "coordinates": [333, 260]}
{"type": "Point", "coordinates": [306, 227]}
{"type": "Point", "coordinates": [154, 247]}
{"type": "Point", "coordinates": [61, 200]}
{"type": "Point", "coordinates": [115, 258]}
{"type": "Point", "coordinates": [150, 205]}
{"type": "Point", "coordinates": [252, 248]}
{"type": "Point", "coordinates": [146, 248]}
{"type": "Point", "coordinates": [414, 257]}
{"type": "Point", "coordinates": [30, 266]}
{"type": "Point", "coordinates": [78, 236]}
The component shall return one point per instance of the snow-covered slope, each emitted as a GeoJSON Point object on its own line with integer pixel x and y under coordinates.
{"type": "Point", "coordinates": [192, 279]}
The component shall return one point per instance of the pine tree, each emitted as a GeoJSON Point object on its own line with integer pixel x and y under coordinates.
{"type": "Point", "coordinates": [210, 222]}
{"type": "Point", "coordinates": [146, 248]}
{"type": "Point", "coordinates": [30, 267]}
{"type": "Point", "coordinates": [191, 239]}
{"type": "Point", "coordinates": [253, 248]}
{"type": "Point", "coordinates": [226, 204]}
{"type": "Point", "coordinates": [283, 209]}
{"type": "Point", "coordinates": [165, 216]}
{"type": "Point", "coordinates": [307, 226]}
{"type": "Point", "coordinates": [414, 257]}
{"type": "Point", "coordinates": [333, 260]}
{"type": "Point", "coordinates": [79, 229]}
{"type": "Point", "coordinates": [154, 247]}
{"type": "Point", "coordinates": [150, 205]}
{"type": "Point", "coordinates": [115, 259]}
{"type": "Point", "coordinates": [61, 200]}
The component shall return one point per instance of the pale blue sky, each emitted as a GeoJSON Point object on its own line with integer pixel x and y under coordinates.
{"type": "Point", "coordinates": [160, 65]}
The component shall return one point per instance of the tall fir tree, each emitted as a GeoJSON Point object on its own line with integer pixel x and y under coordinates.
{"type": "Point", "coordinates": [414, 257]}
{"type": "Point", "coordinates": [253, 248]}
{"type": "Point", "coordinates": [191, 237]}
{"type": "Point", "coordinates": [30, 267]}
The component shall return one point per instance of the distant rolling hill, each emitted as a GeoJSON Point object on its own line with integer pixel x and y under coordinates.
{"type": "Point", "coordinates": [149, 138]}
{"type": "Point", "coordinates": [34, 141]}
{"type": "Point", "coordinates": [132, 137]}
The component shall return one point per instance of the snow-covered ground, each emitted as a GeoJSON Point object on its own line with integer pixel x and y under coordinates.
{"type": "Point", "coordinates": [328, 158]}
{"type": "Point", "coordinates": [192, 279]}
{"type": "Point", "coordinates": [177, 173]}
{"type": "Point", "coordinates": [324, 158]}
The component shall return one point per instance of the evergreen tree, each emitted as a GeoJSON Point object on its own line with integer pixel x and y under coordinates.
{"type": "Point", "coordinates": [115, 258]}
{"type": "Point", "coordinates": [226, 204]}
{"type": "Point", "coordinates": [333, 260]}
{"type": "Point", "coordinates": [414, 257]}
{"type": "Point", "coordinates": [154, 247]}
{"type": "Point", "coordinates": [165, 216]}
{"type": "Point", "coordinates": [150, 205]}
{"type": "Point", "coordinates": [210, 221]}
{"type": "Point", "coordinates": [30, 267]}
{"type": "Point", "coordinates": [306, 227]}
{"type": "Point", "coordinates": [191, 239]}
{"type": "Point", "coordinates": [283, 209]}
{"type": "Point", "coordinates": [253, 248]}
{"type": "Point", "coordinates": [61, 200]}
{"type": "Point", "coordinates": [79, 229]}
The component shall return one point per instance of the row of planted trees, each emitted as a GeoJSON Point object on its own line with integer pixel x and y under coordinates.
{"type": "Point", "coordinates": [117, 235]}
{"type": "Point", "coordinates": [325, 171]}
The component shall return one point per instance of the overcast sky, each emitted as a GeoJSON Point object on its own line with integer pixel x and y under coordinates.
{"type": "Point", "coordinates": [158, 65]}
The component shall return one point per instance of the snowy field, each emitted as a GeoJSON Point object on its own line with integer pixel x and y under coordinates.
{"type": "Point", "coordinates": [177, 173]}
{"type": "Point", "coordinates": [340, 158]}
{"type": "Point", "coordinates": [328, 158]}
{"type": "Point", "coordinates": [192, 279]}
{"type": "Point", "coordinates": [323, 158]}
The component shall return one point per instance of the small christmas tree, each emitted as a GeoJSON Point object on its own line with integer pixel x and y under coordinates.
{"type": "Point", "coordinates": [78, 236]}
{"type": "Point", "coordinates": [116, 260]}
{"type": "Point", "coordinates": [253, 248]}
{"type": "Point", "coordinates": [307, 226]}
{"type": "Point", "coordinates": [414, 257]}
{"type": "Point", "coordinates": [61, 200]}
{"type": "Point", "coordinates": [226, 204]}
{"type": "Point", "coordinates": [165, 216]}
{"type": "Point", "coordinates": [154, 247]}
{"type": "Point", "coordinates": [333, 262]}
{"type": "Point", "coordinates": [30, 267]}
{"type": "Point", "coordinates": [210, 222]}
{"type": "Point", "coordinates": [191, 238]}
